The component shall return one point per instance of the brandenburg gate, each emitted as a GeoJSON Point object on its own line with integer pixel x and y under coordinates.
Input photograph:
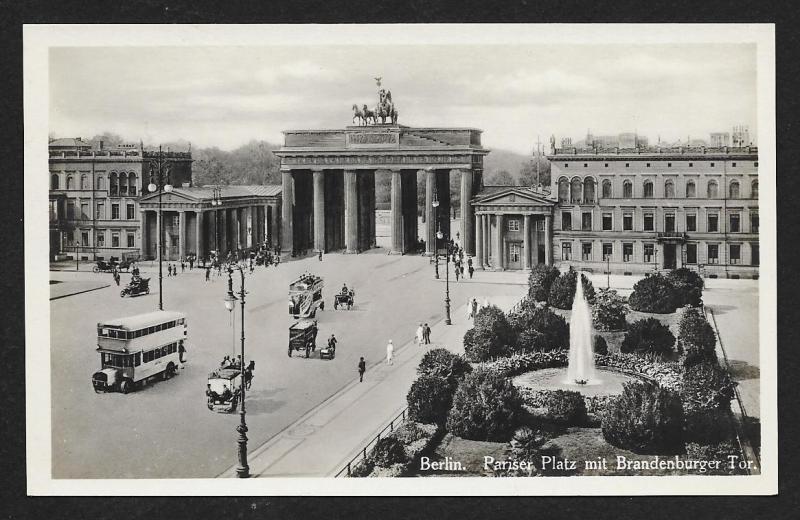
{"type": "Point", "coordinates": [328, 185]}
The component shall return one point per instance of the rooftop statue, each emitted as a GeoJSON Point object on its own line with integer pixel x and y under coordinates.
{"type": "Point", "coordinates": [385, 109]}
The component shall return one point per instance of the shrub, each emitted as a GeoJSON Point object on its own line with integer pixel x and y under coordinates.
{"type": "Point", "coordinates": [492, 335]}
{"type": "Point", "coordinates": [526, 445]}
{"type": "Point", "coordinates": [688, 287]}
{"type": "Point", "coordinates": [609, 310]}
{"type": "Point", "coordinates": [429, 399]}
{"type": "Point", "coordinates": [645, 418]}
{"type": "Point", "coordinates": [388, 450]}
{"type": "Point", "coordinates": [566, 406]}
{"type": "Point", "coordinates": [648, 336]}
{"type": "Point", "coordinates": [540, 280]}
{"type": "Point", "coordinates": [486, 407]}
{"type": "Point", "coordinates": [696, 338]}
{"type": "Point", "coordinates": [653, 293]}
{"type": "Point", "coordinates": [707, 386]}
{"type": "Point", "coordinates": [717, 452]}
{"type": "Point", "coordinates": [600, 346]}
{"type": "Point", "coordinates": [562, 291]}
{"type": "Point", "coordinates": [539, 328]}
{"type": "Point", "coordinates": [440, 362]}
{"type": "Point", "coordinates": [524, 362]}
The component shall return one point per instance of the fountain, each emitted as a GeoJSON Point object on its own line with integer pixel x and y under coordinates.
{"type": "Point", "coordinates": [581, 355]}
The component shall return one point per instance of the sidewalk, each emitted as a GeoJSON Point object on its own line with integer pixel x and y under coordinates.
{"type": "Point", "coordinates": [322, 441]}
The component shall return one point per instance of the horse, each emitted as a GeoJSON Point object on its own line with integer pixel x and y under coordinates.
{"type": "Point", "coordinates": [368, 114]}
{"type": "Point", "coordinates": [387, 111]}
{"type": "Point", "coordinates": [358, 115]}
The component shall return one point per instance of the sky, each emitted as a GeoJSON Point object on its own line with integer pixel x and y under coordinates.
{"type": "Point", "coordinates": [228, 96]}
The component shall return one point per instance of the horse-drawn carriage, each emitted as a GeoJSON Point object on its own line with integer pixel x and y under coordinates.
{"type": "Point", "coordinates": [136, 287]}
{"type": "Point", "coordinates": [101, 266]}
{"type": "Point", "coordinates": [345, 299]}
{"type": "Point", "coordinates": [303, 337]}
{"type": "Point", "coordinates": [305, 296]}
{"type": "Point", "coordinates": [224, 389]}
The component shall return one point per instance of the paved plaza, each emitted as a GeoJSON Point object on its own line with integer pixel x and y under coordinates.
{"type": "Point", "coordinates": [165, 430]}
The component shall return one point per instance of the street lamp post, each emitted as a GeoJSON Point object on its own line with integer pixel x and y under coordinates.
{"type": "Point", "coordinates": [435, 205]}
{"type": "Point", "coordinates": [447, 320]}
{"type": "Point", "coordinates": [159, 180]}
{"type": "Point", "coordinates": [216, 200]}
{"type": "Point", "coordinates": [242, 470]}
{"type": "Point", "coordinates": [608, 272]}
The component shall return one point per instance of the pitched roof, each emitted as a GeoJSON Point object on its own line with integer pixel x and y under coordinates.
{"type": "Point", "coordinates": [69, 142]}
{"type": "Point", "coordinates": [490, 193]}
{"type": "Point", "coordinates": [207, 192]}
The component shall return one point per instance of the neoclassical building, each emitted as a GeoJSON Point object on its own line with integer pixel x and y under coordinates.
{"type": "Point", "coordinates": [644, 208]}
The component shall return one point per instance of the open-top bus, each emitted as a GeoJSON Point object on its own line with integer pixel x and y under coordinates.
{"type": "Point", "coordinates": [305, 296]}
{"type": "Point", "coordinates": [137, 348]}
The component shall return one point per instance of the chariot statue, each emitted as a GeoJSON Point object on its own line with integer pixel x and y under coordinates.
{"type": "Point", "coordinates": [385, 110]}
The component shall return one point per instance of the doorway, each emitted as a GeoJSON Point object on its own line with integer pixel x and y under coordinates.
{"type": "Point", "coordinates": [669, 256]}
{"type": "Point", "coordinates": [514, 255]}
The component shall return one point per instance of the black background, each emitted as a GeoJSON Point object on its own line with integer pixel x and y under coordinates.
{"type": "Point", "coordinates": [13, 500]}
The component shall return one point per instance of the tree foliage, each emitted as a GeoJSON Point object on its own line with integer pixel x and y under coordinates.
{"type": "Point", "coordinates": [562, 291]}
{"type": "Point", "coordinates": [429, 399]}
{"type": "Point", "coordinates": [486, 407]}
{"type": "Point", "coordinates": [609, 310]}
{"type": "Point", "coordinates": [541, 280]}
{"type": "Point", "coordinates": [688, 286]}
{"type": "Point", "coordinates": [648, 336]}
{"type": "Point", "coordinates": [491, 336]}
{"type": "Point", "coordinates": [654, 293]}
{"type": "Point", "coordinates": [696, 338]}
{"type": "Point", "coordinates": [539, 328]}
{"type": "Point", "coordinates": [440, 362]}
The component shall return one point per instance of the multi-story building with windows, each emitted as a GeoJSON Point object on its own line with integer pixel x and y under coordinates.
{"type": "Point", "coordinates": [646, 207]}
{"type": "Point", "coordinates": [94, 197]}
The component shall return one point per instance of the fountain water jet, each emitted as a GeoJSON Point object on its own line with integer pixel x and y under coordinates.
{"type": "Point", "coordinates": [581, 355]}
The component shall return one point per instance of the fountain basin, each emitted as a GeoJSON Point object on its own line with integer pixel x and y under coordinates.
{"type": "Point", "coordinates": [605, 382]}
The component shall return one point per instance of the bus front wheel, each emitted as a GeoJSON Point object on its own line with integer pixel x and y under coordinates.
{"type": "Point", "coordinates": [169, 371]}
{"type": "Point", "coordinates": [125, 386]}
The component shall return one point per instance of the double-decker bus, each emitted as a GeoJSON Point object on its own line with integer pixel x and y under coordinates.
{"type": "Point", "coordinates": [137, 348]}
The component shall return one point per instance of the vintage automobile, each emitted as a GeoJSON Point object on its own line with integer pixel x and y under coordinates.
{"type": "Point", "coordinates": [303, 337]}
{"type": "Point", "coordinates": [344, 300]}
{"type": "Point", "coordinates": [224, 389]}
{"type": "Point", "coordinates": [305, 296]}
{"type": "Point", "coordinates": [136, 287]}
{"type": "Point", "coordinates": [103, 267]}
{"type": "Point", "coordinates": [125, 264]}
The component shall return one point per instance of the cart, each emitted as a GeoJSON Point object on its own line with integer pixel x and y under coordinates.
{"type": "Point", "coordinates": [223, 389]}
{"type": "Point", "coordinates": [344, 300]}
{"type": "Point", "coordinates": [303, 336]}
{"type": "Point", "coordinates": [136, 287]}
{"type": "Point", "coordinates": [305, 296]}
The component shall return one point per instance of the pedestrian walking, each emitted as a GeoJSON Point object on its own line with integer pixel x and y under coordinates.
{"type": "Point", "coordinates": [191, 262]}
{"type": "Point", "coordinates": [474, 305]}
{"type": "Point", "coordinates": [320, 255]}
{"type": "Point", "coordinates": [462, 270]}
{"type": "Point", "coordinates": [458, 271]}
{"type": "Point", "coordinates": [420, 337]}
{"type": "Point", "coordinates": [181, 352]}
{"type": "Point", "coordinates": [362, 367]}
{"type": "Point", "coordinates": [390, 353]}
{"type": "Point", "coordinates": [470, 312]}
{"type": "Point", "coordinates": [169, 269]}
{"type": "Point", "coordinates": [471, 271]}
{"type": "Point", "coordinates": [208, 273]}
{"type": "Point", "coordinates": [183, 266]}
{"type": "Point", "coordinates": [426, 333]}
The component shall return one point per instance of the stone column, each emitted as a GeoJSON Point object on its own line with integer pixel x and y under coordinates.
{"type": "Point", "coordinates": [397, 213]}
{"type": "Point", "coordinates": [287, 205]}
{"type": "Point", "coordinates": [181, 233]}
{"type": "Point", "coordinates": [159, 247]}
{"type": "Point", "coordinates": [535, 243]}
{"type": "Point", "coordinates": [526, 242]}
{"type": "Point", "coordinates": [222, 223]}
{"type": "Point", "coordinates": [500, 256]}
{"type": "Point", "coordinates": [350, 211]}
{"type": "Point", "coordinates": [487, 244]}
{"type": "Point", "coordinates": [478, 241]}
{"type": "Point", "coordinates": [319, 210]}
{"type": "Point", "coordinates": [430, 219]}
{"type": "Point", "coordinates": [467, 239]}
{"type": "Point", "coordinates": [143, 241]}
{"type": "Point", "coordinates": [548, 240]}
{"type": "Point", "coordinates": [198, 234]}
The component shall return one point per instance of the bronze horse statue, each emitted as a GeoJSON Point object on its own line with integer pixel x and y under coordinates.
{"type": "Point", "coordinates": [386, 108]}
{"type": "Point", "coordinates": [363, 116]}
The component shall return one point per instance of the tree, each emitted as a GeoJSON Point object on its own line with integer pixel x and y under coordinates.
{"type": "Point", "coordinates": [501, 178]}
{"type": "Point", "coordinates": [539, 328]}
{"type": "Point", "coordinates": [491, 336]}
{"type": "Point", "coordinates": [696, 337]}
{"type": "Point", "coordinates": [430, 398]}
{"type": "Point", "coordinates": [653, 293]}
{"type": "Point", "coordinates": [486, 407]}
{"type": "Point", "coordinates": [562, 291]}
{"type": "Point", "coordinates": [527, 172]}
{"type": "Point", "coordinates": [688, 287]}
{"type": "Point", "coordinates": [541, 280]}
{"type": "Point", "coordinates": [609, 310]}
{"type": "Point", "coordinates": [440, 362]}
{"type": "Point", "coordinates": [648, 336]}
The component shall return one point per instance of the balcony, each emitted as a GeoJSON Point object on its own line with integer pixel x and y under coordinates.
{"type": "Point", "coordinates": [671, 236]}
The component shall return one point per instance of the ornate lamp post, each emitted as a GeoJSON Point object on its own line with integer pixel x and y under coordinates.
{"type": "Point", "coordinates": [435, 205]}
{"type": "Point", "coordinates": [159, 180]}
{"type": "Point", "coordinates": [216, 200]}
{"type": "Point", "coordinates": [447, 320]}
{"type": "Point", "coordinates": [242, 470]}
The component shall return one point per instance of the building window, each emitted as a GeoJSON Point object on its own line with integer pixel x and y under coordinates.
{"type": "Point", "coordinates": [712, 164]}
{"type": "Point", "coordinates": [713, 223]}
{"type": "Point", "coordinates": [131, 240]}
{"type": "Point", "coordinates": [586, 221]}
{"type": "Point", "coordinates": [755, 164]}
{"type": "Point", "coordinates": [755, 258]}
{"type": "Point", "coordinates": [586, 251]}
{"type": "Point", "coordinates": [566, 251]}
{"type": "Point", "coordinates": [577, 188]}
{"type": "Point", "coordinates": [735, 254]}
{"type": "Point", "coordinates": [513, 224]}
{"type": "Point", "coordinates": [691, 222]}
{"type": "Point", "coordinates": [85, 238]}
{"type": "Point", "coordinates": [627, 165]}
{"type": "Point", "coordinates": [70, 210]}
{"type": "Point", "coordinates": [113, 187]}
{"type": "Point", "coordinates": [130, 212]}
{"type": "Point", "coordinates": [648, 189]}
{"type": "Point", "coordinates": [132, 184]}
{"type": "Point", "coordinates": [101, 211]}
{"type": "Point", "coordinates": [627, 252]}
{"type": "Point", "coordinates": [115, 212]}
{"type": "Point", "coordinates": [627, 189]}
{"type": "Point", "coordinates": [734, 190]}
{"type": "Point", "coordinates": [566, 165]}
{"type": "Point", "coordinates": [649, 252]}
{"type": "Point", "coordinates": [69, 182]}
{"type": "Point", "coordinates": [84, 182]}
{"type": "Point", "coordinates": [85, 211]}
{"type": "Point", "coordinates": [70, 238]}
{"type": "Point", "coordinates": [669, 190]}
{"type": "Point", "coordinates": [713, 190]}
{"type": "Point", "coordinates": [691, 164]}
{"type": "Point", "coordinates": [100, 238]}
{"type": "Point", "coordinates": [734, 223]}
{"type": "Point", "coordinates": [733, 165]}
{"type": "Point", "coordinates": [691, 190]}
{"type": "Point", "coordinates": [754, 190]}
{"type": "Point", "coordinates": [101, 183]}
{"type": "Point", "coordinates": [585, 165]}
{"type": "Point", "coordinates": [114, 239]}
{"type": "Point", "coordinates": [54, 182]}
{"type": "Point", "coordinates": [627, 222]}
{"type": "Point", "coordinates": [606, 165]}
{"type": "Point", "coordinates": [606, 189]}
{"type": "Point", "coordinates": [608, 250]}
{"type": "Point", "coordinates": [713, 253]}
{"type": "Point", "coordinates": [691, 253]}
{"type": "Point", "coordinates": [588, 190]}
{"type": "Point", "coordinates": [754, 222]}
{"type": "Point", "coordinates": [566, 221]}
{"type": "Point", "coordinates": [648, 165]}
{"type": "Point", "coordinates": [563, 190]}
{"type": "Point", "coordinates": [669, 222]}
{"type": "Point", "coordinates": [514, 253]}
{"type": "Point", "coordinates": [648, 222]}
{"type": "Point", "coordinates": [608, 221]}
{"type": "Point", "coordinates": [123, 183]}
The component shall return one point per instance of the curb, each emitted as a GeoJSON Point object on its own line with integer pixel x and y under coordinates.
{"type": "Point", "coordinates": [79, 292]}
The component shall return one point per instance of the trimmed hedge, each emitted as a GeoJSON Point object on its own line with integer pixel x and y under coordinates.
{"type": "Point", "coordinates": [486, 407]}
{"type": "Point", "coordinates": [540, 280]}
{"type": "Point", "coordinates": [648, 336]}
{"type": "Point", "coordinates": [429, 399]}
{"type": "Point", "coordinates": [539, 328]}
{"type": "Point", "coordinates": [688, 287]}
{"type": "Point", "coordinates": [491, 336]}
{"type": "Point", "coordinates": [696, 338]}
{"type": "Point", "coordinates": [599, 345]}
{"type": "Point", "coordinates": [707, 393]}
{"type": "Point", "coordinates": [384, 459]}
{"type": "Point", "coordinates": [440, 362]}
{"type": "Point", "coordinates": [562, 406]}
{"type": "Point", "coordinates": [562, 291]}
{"type": "Point", "coordinates": [645, 418]}
{"type": "Point", "coordinates": [654, 293]}
{"type": "Point", "coordinates": [609, 310]}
